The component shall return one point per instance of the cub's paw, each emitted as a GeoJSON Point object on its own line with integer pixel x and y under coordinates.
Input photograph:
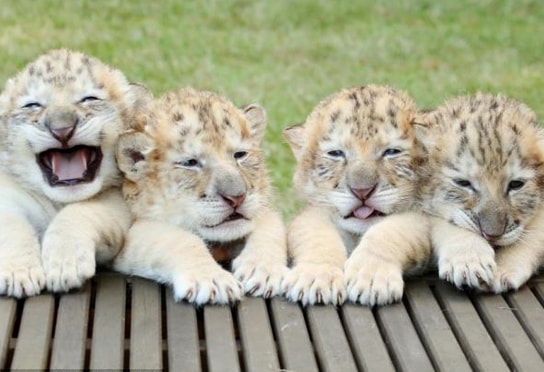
{"type": "Point", "coordinates": [371, 281]}
{"type": "Point", "coordinates": [315, 283]}
{"type": "Point", "coordinates": [510, 278]}
{"type": "Point", "coordinates": [22, 276]}
{"type": "Point", "coordinates": [259, 278]}
{"type": "Point", "coordinates": [202, 285]}
{"type": "Point", "coordinates": [68, 262]}
{"type": "Point", "coordinates": [472, 268]}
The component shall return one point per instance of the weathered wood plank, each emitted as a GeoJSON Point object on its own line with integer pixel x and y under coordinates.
{"type": "Point", "coordinates": [259, 350]}
{"type": "Point", "coordinates": [469, 329]}
{"type": "Point", "coordinates": [296, 350]}
{"type": "Point", "coordinates": [364, 336]}
{"type": "Point", "coordinates": [331, 345]}
{"type": "Point", "coordinates": [145, 326]}
{"type": "Point", "coordinates": [8, 309]}
{"type": "Point", "coordinates": [437, 335]}
{"type": "Point", "coordinates": [70, 339]}
{"type": "Point", "coordinates": [508, 333]}
{"type": "Point", "coordinates": [182, 332]}
{"type": "Point", "coordinates": [108, 334]}
{"type": "Point", "coordinates": [531, 314]}
{"type": "Point", "coordinates": [408, 351]}
{"type": "Point", "coordinates": [32, 348]}
{"type": "Point", "coordinates": [221, 349]}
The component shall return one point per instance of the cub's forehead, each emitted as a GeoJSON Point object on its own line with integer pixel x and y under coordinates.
{"type": "Point", "coordinates": [362, 113]}
{"type": "Point", "coordinates": [205, 117]}
{"type": "Point", "coordinates": [65, 71]}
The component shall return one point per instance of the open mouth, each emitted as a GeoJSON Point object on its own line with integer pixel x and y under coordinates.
{"type": "Point", "coordinates": [68, 167]}
{"type": "Point", "coordinates": [233, 217]}
{"type": "Point", "coordinates": [364, 213]}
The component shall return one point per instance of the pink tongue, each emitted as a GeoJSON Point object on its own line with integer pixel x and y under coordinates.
{"type": "Point", "coordinates": [363, 212]}
{"type": "Point", "coordinates": [69, 166]}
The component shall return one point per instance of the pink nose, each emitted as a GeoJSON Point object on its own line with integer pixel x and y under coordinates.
{"type": "Point", "coordinates": [63, 134]}
{"type": "Point", "coordinates": [362, 193]}
{"type": "Point", "coordinates": [234, 201]}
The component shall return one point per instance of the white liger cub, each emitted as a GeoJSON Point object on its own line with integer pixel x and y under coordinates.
{"type": "Point", "coordinates": [485, 182]}
{"type": "Point", "coordinates": [356, 161]}
{"type": "Point", "coordinates": [195, 180]}
{"type": "Point", "coordinates": [60, 202]}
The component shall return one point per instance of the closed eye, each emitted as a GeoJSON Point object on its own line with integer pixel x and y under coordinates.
{"type": "Point", "coordinates": [463, 183]}
{"type": "Point", "coordinates": [89, 99]}
{"type": "Point", "coordinates": [336, 154]}
{"type": "Point", "coordinates": [32, 105]}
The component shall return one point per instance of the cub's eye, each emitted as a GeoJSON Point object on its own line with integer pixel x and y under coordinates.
{"type": "Point", "coordinates": [336, 154]}
{"type": "Point", "coordinates": [89, 99]}
{"type": "Point", "coordinates": [189, 163]}
{"type": "Point", "coordinates": [515, 185]}
{"type": "Point", "coordinates": [390, 152]}
{"type": "Point", "coordinates": [239, 154]}
{"type": "Point", "coordinates": [32, 105]}
{"type": "Point", "coordinates": [462, 183]}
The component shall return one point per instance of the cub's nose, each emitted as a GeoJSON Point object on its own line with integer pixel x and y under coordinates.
{"type": "Point", "coordinates": [362, 194]}
{"type": "Point", "coordinates": [63, 134]}
{"type": "Point", "coordinates": [234, 200]}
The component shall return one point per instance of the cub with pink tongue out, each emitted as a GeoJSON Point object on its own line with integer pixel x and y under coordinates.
{"type": "Point", "coordinates": [357, 156]}
{"type": "Point", "coordinates": [62, 209]}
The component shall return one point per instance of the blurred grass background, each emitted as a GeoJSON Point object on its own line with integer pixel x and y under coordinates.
{"type": "Point", "coordinates": [288, 55]}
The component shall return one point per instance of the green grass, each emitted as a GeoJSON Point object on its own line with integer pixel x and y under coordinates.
{"type": "Point", "coordinates": [288, 55]}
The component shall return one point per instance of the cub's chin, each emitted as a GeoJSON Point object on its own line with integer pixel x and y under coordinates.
{"type": "Point", "coordinates": [227, 231]}
{"type": "Point", "coordinates": [356, 225]}
{"type": "Point", "coordinates": [72, 193]}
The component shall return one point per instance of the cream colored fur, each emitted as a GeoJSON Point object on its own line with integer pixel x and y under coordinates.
{"type": "Point", "coordinates": [192, 153]}
{"type": "Point", "coordinates": [52, 235]}
{"type": "Point", "coordinates": [357, 154]}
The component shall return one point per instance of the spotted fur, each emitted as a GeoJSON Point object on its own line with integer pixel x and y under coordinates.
{"type": "Point", "coordinates": [195, 166]}
{"type": "Point", "coordinates": [357, 160]}
{"type": "Point", "coordinates": [58, 103]}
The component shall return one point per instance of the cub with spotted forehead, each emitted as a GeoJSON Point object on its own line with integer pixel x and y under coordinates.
{"type": "Point", "coordinates": [357, 156]}
{"type": "Point", "coordinates": [195, 180]}
{"type": "Point", "coordinates": [61, 203]}
{"type": "Point", "coordinates": [485, 183]}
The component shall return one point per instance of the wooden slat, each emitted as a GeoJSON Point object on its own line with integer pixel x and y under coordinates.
{"type": "Point", "coordinates": [221, 350]}
{"type": "Point", "coordinates": [364, 336]}
{"type": "Point", "coordinates": [182, 331]}
{"type": "Point", "coordinates": [508, 333]}
{"type": "Point", "coordinates": [437, 335]}
{"type": "Point", "coordinates": [32, 348]}
{"type": "Point", "coordinates": [258, 346]}
{"type": "Point", "coordinates": [330, 342]}
{"type": "Point", "coordinates": [408, 351]}
{"type": "Point", "coordinates": [71, 331]}
{"type": "Point", "coordinates": [108, 333]}
{"type": "Point", "coordinates": [145, 325]}
{"type": "Point", "coordinates": [531, 314]}
{"type": "Point", "coordinates": [8, 308]}
{"type": "Point", "coordinates": [294, 342]}
{"type": "Point", "coordinates": [469, 329]}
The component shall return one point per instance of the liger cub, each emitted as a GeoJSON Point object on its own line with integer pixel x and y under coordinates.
{"type": "Point", "coordinates": [195, 180]}
{"type": "Point", "coordinates": [61, 205]}
{"type": "Point", "coordinates": [357, 157]}
{"type": "Point", "coordinates": [481, 190]}
{"type": "Point", "coordinates": [484, 182]}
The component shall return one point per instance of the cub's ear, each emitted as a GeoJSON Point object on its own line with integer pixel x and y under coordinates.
{"type": "Point", "coordinates": [295, 136]}
{"type": "Point", "coordinates": [132, 153]}
{"type": "Point", "coordinates": [140, 95]}
{"type": "Point", "coordinates": [424, 123]}
{"type": "Point", "coordinates": [256, 115]}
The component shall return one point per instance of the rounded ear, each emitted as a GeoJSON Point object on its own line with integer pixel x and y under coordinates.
{"type": "Point", "coordinates": [256, 116]}
{"type": "Point", "coordinates": [295, 136]}
{"type": "Point", "coordinates": [132, 153]}
{"type": "Point", "coordinates": [424, 124]}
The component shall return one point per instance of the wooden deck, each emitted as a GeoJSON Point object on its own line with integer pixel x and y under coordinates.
{"type": "Point", "coordinates": [120, 323]}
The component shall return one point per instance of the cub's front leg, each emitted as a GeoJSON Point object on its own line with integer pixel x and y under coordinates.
{"type": "Point", "coordinates": [374, 272]}
{"type": "Point", "coordinates": [318, 255]}
{"type": "Point", "coordinates": [262, 264]}
{"type": "Point", "coordinates": [171, 255]}
{"type": "Point", "coordinates": [81, 235]}
{"type": "Point", "coordinates": [21, 271]}
{"type": "Point", "coordinates": [464, 257]}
